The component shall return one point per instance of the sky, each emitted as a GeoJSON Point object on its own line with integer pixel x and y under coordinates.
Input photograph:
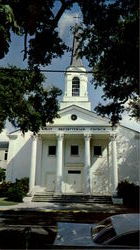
{"type": "Point", "coordinates": [67, 21]}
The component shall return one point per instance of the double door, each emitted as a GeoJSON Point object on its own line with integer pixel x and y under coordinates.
{"type": "Point", "coordinates": [74, 181]}
{"type": "Point", "coordinates": [50, 182]}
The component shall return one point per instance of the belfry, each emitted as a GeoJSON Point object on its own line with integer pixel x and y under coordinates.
{"type": "Point", "coordinates": [76, 82]}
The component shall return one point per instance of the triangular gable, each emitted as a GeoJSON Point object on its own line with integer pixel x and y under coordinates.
{"type": "Point", "coordinates": [84, 117]}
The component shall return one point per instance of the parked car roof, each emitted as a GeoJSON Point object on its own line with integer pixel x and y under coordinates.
{"type": "Point", "coordinates": [123, 228]}
{"type": "Point", "coordinates": [124, 223]}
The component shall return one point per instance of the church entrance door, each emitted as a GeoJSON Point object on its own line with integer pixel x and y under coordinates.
{"type": "Point", "coordinates": [74, 181]}
{"type": "Point", "coordinates": [50, 182]}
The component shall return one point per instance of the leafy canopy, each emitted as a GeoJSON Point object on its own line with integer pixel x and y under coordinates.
{"type": "Point", "coordinates": [108, 39]}
{"type": "Point", "coordinates": [24, 101]}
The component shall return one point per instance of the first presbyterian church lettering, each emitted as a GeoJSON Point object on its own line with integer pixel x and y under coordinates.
{"type": "Point", "coordinates": [74, 129]}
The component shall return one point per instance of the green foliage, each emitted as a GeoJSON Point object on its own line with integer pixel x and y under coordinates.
{"type": "Point", "coordinates": [4, 186]}
{"type": "Point", "coordinates": [2, 174]}
{"type": "Point", "coordinates": [129, 192]}
{"type": "Point", "coordinates": [18, 190]}
{"type": "Point", "coordinates": [14, 191]}
{"type": "Point", "coordinates": [134, 108]}
{"type": "Point", "coordinates": [40, 30]}
{"type": "Point", "coordinates": [7, 22]}
{"type": "Point", "coordinates": [24, 101]}
{"type": "Point", "coordinates": [109, 39]}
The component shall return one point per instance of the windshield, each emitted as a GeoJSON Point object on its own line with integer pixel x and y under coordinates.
{"type": "Point", "coordinates": [103, 231]}
{"type": "Point", "coordinates": [105, 235]}
{"type": "Point", "coordinates": [103, 224]}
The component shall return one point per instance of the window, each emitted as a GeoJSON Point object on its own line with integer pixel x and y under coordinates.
{"type": "Point", "coordinates": [52, 150]}
{"type": "Point", "coordinates": [74, 150]}
{"type": "Point", "coordinates": [104, 235]}
{"type": "Point", "coordinates": [5, 155]}
{"type": "Point", "coordinates": [74, 172]}
{"type": "Point", "coordinates": [75, 86]}
{"type": "Point", "coordinates": [74, 117]}
{"type": "Point", "coordinates": [97, 150]}
{"type": "Point", "coordinates": [100, 226]}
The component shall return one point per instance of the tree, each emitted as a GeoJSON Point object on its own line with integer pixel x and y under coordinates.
{"type": "Point", "coordinates": [37, 22]}
{"type": "Point", "coordinates": [134, 108]}
{"type": "Point", "coordinates": [24, 101]}
{"type": "Point", "coordinates": [110, 41]}
{"type": "Point", "coordinates": [106, 40]}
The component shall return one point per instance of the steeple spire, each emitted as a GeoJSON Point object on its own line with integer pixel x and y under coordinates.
{"type": "Point", "coordinates": [76, 80]}
{"type": "Point", "coordinates": [75, 60]}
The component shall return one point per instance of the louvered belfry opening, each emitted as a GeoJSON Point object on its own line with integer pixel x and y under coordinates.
{"type": "Point", "coordinates": [75, 86]}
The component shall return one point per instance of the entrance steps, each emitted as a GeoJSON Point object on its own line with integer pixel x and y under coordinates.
{"type": "Point", "coordinates": [85, 199]}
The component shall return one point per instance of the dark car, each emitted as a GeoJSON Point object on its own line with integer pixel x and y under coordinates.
{"type": "Point", "coordinates": [122, 230]}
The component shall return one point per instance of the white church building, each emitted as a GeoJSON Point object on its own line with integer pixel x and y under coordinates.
{"type": "Point", "coordinates": [79, 153]}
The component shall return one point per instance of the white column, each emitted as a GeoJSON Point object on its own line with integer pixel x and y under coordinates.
{"type": "Point", "coordinates": [33, 165]}
{"type": "Point", "coordinates": [59, 164]}
{"type": "Point", "coordinates": [108, 164]}
{"type": "Point", "coordinates": [39, 162]}
{"type": "Point", "coordinates": [87, 165]}
{"type": "Point", "coordinates": [114, 163]}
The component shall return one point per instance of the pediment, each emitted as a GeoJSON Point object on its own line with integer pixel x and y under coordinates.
{"type": "Point", "coordinates": [82, 117]}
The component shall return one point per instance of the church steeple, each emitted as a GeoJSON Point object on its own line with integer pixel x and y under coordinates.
{"type": "Point", "coordinates": [75, 60]}
{"type": "Point", "coordinates": [76, 81]}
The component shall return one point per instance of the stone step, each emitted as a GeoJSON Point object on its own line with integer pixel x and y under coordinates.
{"type": "Point", "coordinates": [66, 202]}
{"type": "Point", "coordinates": [72, 199]}
{"type": "Point", "coordinates": [72, 196]}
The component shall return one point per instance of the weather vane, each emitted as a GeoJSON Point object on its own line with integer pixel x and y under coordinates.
{"type": "Point", "coordinates": [77, 18]}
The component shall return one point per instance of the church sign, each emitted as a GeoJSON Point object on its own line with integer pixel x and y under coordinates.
{"type": "Point", "coordinates": [76, 129]}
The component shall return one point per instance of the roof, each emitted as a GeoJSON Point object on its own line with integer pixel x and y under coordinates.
{"type": "Point", "coordinates": [86, 111]}
{"type": "Point", "coordinates": [132, 129]}
{"type": "Point", "coordinates": [75, 60]}
{"type": "Point", "coordinates": [94, 114]}
{"type": "Point", "coordinates": [124, 223]}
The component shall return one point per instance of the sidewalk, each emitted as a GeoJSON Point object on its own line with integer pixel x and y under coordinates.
{"type": "Point", "coordinates": [42, 213]}
{"type": "Point", "coordinates": [46, 206]}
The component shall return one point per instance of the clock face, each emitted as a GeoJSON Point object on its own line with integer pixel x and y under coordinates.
{"type": "Point", "coordinates": [73, 117]}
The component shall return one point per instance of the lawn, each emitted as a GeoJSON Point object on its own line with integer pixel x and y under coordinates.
{"type": "Point", "coordinates": [4, 202]}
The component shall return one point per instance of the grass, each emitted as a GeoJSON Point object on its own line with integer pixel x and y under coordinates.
{"type": "Point", "coordinates": [4, 202]}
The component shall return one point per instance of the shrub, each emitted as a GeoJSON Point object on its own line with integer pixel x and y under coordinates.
{"type": "Point", "coordinates": [4, 186]}
{"type": "Point", "coordinates": [24, 184]}
{"type": "Point", "coordinates": [2, 174]}
{"type": "Point", "coordinates": [129, 192]}
{"type": "Point", "coordinates": [18, 190]}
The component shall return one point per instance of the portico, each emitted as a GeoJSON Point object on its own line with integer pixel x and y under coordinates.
{"type": "Point", "coordinates": [69, 161]}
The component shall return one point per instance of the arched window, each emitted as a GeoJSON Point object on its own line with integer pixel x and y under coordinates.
{"type": "Point", "coordinates": [75, 86]}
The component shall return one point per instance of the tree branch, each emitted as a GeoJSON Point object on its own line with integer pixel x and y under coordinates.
{"type": "Point", "coordinates": [64, 6]}
{"type": "Point", "coordinates": [25, 46]}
